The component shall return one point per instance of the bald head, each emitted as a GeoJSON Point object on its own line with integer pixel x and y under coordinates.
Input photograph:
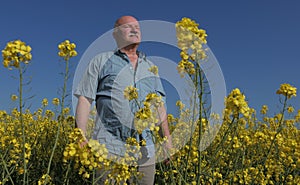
{"type": "Point", "coordinates": [127, 31]}
{"type": "Point", "coordinates": [124, 20]}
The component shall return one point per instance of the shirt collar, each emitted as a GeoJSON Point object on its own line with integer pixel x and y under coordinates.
{"type": "Point", "coordinates": [123, 55]}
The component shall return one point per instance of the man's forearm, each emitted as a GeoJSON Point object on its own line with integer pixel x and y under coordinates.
{"type": "Point", "coordinates": [82, 113]}
{"type": "Point", "coordinates": [164, 125]}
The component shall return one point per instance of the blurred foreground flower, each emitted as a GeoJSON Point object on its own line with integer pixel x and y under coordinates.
{"type": "Point", "coordinates": [16, 52]}
{"type": "Point", "coordinates": [190, 39]}
{"type": "Point", "coordinates": [153, 69]}
{"type": "Point", "coordinates": [130, 93]}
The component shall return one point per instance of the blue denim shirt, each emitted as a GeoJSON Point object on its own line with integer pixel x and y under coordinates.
{"type": "Point", "coordinates": [104, 81]}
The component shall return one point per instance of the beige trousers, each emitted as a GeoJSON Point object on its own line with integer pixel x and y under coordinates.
{"type": "Point", "coordinates": [147, 168]}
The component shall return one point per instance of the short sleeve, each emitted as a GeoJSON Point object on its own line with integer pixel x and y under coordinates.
{"type": "Point", "coordinates": [159, 89]}
{"type": "Point", "coordinates": [89, 82]}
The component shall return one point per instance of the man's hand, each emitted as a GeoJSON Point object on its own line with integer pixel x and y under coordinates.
{"type": "Point", "coordinates": [82, 144]}
{"type": "Point", "coordinates": [168, 151]}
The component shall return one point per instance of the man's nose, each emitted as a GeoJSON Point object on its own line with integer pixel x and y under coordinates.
{"type": "Point", "coordinates": [133, 31]}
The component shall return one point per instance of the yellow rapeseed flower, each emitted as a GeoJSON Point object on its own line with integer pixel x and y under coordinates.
{"type": "Point", "coordinates": [153, 69]}
{"type": "Point", "coordinates": [290, 109]}
{"type": "Point", "coordinates": [55, 101]}
{"type": "Point", "coordinates": [287, 90]}
{"type": "Point", "coordinates": [236, 103]}
{"type": "Point", "coordinates": [66, 110]}
{"type": "Point", "coordinates": [16, 52]}
{"type": "Point", "coordinates": [180, 104]}
{"type": "Point", "coordinates": [45, 179]}
{"type": "Point", "coordinates": [190, 37]}
{"type": "Point", "coordinates": [154, 99]}
{"type": "Point", "coordinates": [264, 109]}
{"type": "Point", "coordinates": [45, 102]}
{"type": "Point", "coordinates": [297, 117]}
{"type": "Point", "coordinates": [185, 66]}
{"type": "Point", "coordinates": [67, 50]}
{"type": "Point", "coordinates": [130, 93]}
{"type": "Point", "coordinates": [13, 97]}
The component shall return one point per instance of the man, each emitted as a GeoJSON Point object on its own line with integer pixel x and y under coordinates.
{"type": "Point", "coordinates": [106, 77]}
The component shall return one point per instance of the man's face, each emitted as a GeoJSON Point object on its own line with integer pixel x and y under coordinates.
{"type": "Point", "coordinates": [128, 33]}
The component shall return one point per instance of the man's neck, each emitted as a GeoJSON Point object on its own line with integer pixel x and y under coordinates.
{"type": "Point", "coordinates": [130, 50]}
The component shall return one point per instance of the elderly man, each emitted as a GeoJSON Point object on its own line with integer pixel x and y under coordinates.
{"type": "Point", "coordinates": [106, 77]}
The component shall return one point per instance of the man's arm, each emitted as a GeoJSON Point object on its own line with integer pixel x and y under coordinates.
{"type": "Point", "coordinates": [82, 113]}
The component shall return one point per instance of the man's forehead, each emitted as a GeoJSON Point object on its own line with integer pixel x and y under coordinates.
{"type": "Point", "coordinates": [130, 24]}
{"type": "Point", "coordinates": [128, 20]}
{"type": "Point", "coordinates": [134, 23]}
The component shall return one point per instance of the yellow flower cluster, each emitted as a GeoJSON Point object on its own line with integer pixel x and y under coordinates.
{"type": "Point", "coordinates": [153, 69]}
{"type": "Point", "coordinates": [16, 52]}
{"type": "Point", "coordinates": [147, 116]}
{"type": "Point", "coordinates": [45, 102]}
{"type": "Point", "coordinates": [180, 105]}
{"type": "Point", "coordinates": [290, 109]}
{"type": "Point", "coordinates": [121, 173]}
{"type": "Point", "coordinates": [67, 50]}
{"type": "Point", "coordinates": [264, 109]}
{"type": "Point", "coordinates": [55, 101]}
{"type": "Point", "coordinates": [287, 90]}
{"type": "Point", "coordinates": [154, 100]}
{"type": "Point", "coordinates": [45, 180]}
{"type": "Point", "coordinates": [130, 93]}
{"type": "Point", "coordinates": [87, 158]}
{"type": "Point", "coordinates": [236, 103]}
{"type": "Point", "coordinates": [185, 65]}
{"type": "Point", "coordinates": [14, 97]}
{"type": "Point", "coordinates": [189, 35]}
{"type": "Point", "coordinates": [143, 118]}
{"type": "Point", "coordinates": [37, 145]}
{"type": "Point", "coordinates": [190, 40]}
{"type": "Point", "coordinates": [126, 168]}
{"type": "Point", "coordinates": [244, 151]}
{"type": "Point", "coordinates": [241, 150]}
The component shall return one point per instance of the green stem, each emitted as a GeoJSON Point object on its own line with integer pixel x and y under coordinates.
{"type": "Point", "coordinates": [200, 119]}
{"type": "Point", "coordinates": [192, 127]}
{"type": "Point", "coordinates": [66, 179]}
{"type": "Point", "coordinates": [279, 129]}
{"type": "Point", "coordinates": [22, 122]}
{"type": "Point", "coordinates": [64, 87]}
{"type": "Point", "coordinates": [6, 169]}
{"type": "Point", "coordinates": [62, 116]}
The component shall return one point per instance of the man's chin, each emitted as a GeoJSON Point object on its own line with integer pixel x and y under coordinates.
{"type": "Point", "coordinates": [130, 44]}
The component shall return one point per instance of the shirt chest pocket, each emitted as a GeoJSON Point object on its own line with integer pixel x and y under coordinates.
{"type": "Point", "coordinates": [110, 72]}
{"type": "Point", "coordinates": [146, 85]}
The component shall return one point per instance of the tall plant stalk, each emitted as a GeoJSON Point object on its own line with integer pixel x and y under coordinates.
{"type": "Point", "coordinates": [22, 123]}
{"type": "Point", "coordinates": [67, 51]}
{"type": "Point", "coordinates": [61, 118]}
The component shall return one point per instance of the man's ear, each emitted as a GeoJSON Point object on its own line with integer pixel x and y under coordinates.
{"type": "Point", "coordinates": [115, 33]}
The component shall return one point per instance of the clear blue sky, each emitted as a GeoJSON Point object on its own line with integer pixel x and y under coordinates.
{"type": "Point", "coordinates": [256, 42]}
